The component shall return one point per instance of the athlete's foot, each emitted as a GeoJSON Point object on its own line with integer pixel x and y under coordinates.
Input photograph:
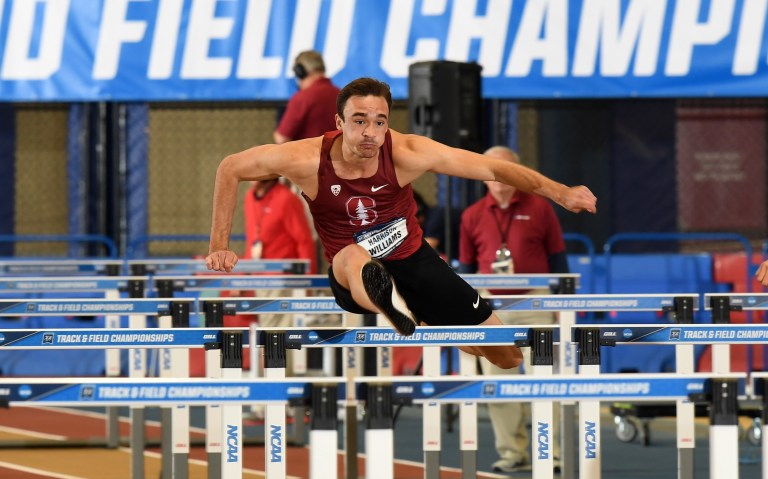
{"type": "Point", "coordinates": [382, 292]}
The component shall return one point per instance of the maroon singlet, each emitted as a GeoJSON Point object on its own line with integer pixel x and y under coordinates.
{"type": "Point", "coordinates": [375, 212]}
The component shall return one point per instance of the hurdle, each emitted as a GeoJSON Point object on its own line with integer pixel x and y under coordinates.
{"type": "Point", "coordinates": [724, 426]}
{"type": "Point", "coordinates": [110, 287]}
{"type": "Point", "coordinates": [136, 309]}
{"type": "Point", "coordinates": [573, 303]}
{"type": "Point", "coordinates": [56, 267]}
{"type": "Point", "coordinates": [183, 266]}
{"type": "Point", "coordinates": [156, 391]}
{"type": "Point", "coordinates": [169, 285]}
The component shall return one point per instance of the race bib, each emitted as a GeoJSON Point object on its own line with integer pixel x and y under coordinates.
{"type": "Point", "coordinates": [383, 239]}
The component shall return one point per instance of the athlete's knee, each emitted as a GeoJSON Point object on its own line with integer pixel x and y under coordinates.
{"type": "Point", "coordinates": [350, 256]}
{"type": "Point", "coordinates": [511, 358]}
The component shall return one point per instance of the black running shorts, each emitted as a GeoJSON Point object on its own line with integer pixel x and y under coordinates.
{"type": "Point", "coordinates": [434, 293]}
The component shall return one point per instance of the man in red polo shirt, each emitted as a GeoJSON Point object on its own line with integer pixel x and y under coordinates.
{"type": "Point", "coordinates": [509, 231]}
{"type": "Point", "coordinates": [311, 111]}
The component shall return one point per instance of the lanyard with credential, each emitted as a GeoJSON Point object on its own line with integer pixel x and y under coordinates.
{"type": "Point", "coordinates": [503, 262]}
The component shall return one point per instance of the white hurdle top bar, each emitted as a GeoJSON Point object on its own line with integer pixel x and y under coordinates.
{"type": "Point", "coordinates": [743, 301]}
{"type": "Point", "coordinates": [58, 267]}
{"type": "Point", "coordinates": [319, 281]}
{"type": "Point", "coordinates": [561, 302]}
{"type": "Point", "coordinates": [202, 391]}
{"type": "Point", "coordinates": [79, 284]}
{"type": "Point", "coordinates": [679, 333]}
{"type": "Point", "coordinates": [121, 338]}
{"type": "Point", "coordinates": [88, 306]}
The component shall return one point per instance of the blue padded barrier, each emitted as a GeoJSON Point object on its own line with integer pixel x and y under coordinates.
{"type": "Point", "coordinates": [640, 274]}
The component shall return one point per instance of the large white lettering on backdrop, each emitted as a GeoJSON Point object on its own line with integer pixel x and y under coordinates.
{"type": "Point", "coordinates": [123, 43]}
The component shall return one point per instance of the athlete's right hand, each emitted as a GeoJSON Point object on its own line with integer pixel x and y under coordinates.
{"type": "Point", "coordinates": [223, 260]}
{"type": "Point", "coordinates": [762, 273]}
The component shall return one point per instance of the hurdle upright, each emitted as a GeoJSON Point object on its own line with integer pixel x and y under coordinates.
{"type": "Point", "coordinates": [110, 286]}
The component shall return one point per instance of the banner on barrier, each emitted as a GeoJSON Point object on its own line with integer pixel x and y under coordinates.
{"type": "Point", "coordinates": [684, 334]}
{"type": "Point", "coordinates": [67, 50]}
{"type": "Point", "coordinates": [195, 391]}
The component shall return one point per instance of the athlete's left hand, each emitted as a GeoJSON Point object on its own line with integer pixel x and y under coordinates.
{"type": "Point", "coordinates": [578, 199]}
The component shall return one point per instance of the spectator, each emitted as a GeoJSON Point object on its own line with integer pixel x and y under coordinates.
{"type": "Point", "coordinates": [311, 111]}
{"type": "Point", "coordinates": [509, 231]}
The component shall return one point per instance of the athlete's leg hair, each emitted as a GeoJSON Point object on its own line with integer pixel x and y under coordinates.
{"type": "Point", "coordinates": [504, 357]}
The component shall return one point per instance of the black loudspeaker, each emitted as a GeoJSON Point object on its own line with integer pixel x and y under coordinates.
{"type": "Point", "coordinates": [445, 103]}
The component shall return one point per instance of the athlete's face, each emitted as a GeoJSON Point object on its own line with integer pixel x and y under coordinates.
{"type": "Point", "coordinates": [365, 123]}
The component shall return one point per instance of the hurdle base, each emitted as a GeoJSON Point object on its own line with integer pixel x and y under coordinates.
{"type": "Point", "coordinates": [214, 465]}
{"type": "Point", "coordinates": [685, 463]}
{"type": "Point", "coordinates": [431, 464]}
{"type": "Point", "coordinates": [180, 465]}
{"type": "Point", "coordinates": [468, 464]}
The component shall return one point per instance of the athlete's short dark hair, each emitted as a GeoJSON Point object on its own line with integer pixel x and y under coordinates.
{"type": "Point", "coordinates": [363, 87]}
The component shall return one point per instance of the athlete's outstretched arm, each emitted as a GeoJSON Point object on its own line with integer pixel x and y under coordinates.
{"type": "Point", "coordinates": [416, 154]}
{"type": "Point", "coordinates": [257, 163]}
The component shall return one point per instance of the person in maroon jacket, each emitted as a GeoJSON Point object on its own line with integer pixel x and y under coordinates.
{"type": "Point", "coordinates": [506, 232]}
{"type": "Point", "coordinates": [357, 182]}
{"type": "Point", "coordinates": [310, 112]}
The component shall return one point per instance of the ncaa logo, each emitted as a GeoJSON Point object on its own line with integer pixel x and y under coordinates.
{"type": "Point", "coordinates": [427, 389]}
{"type": "Point", "coordinates": [674, 334]}
{"type": "Point", "coordinates": [48, 338]}
{"type": "Point", "coordinates": [360, 210]}
{"type": "Point", "coordinates": [489, 389]}
{"type": "Point", "coordinates": [2, 337]}
{"type": "Point", "coordinates": [335, 189]}
{"type": "Point", "coordinates": [312, 335]}
{"type": "Point", "coordinates": [360, 337]}
{"type": "Point", "coordinates": [627, 333]}
{"type": "Point", "coordinates": [25, 391]}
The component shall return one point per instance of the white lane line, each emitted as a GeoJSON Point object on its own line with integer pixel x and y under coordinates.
{"type": "Point", "coordinates": [39, 472]}
{"type": "Point", "coordinates": [27, 432]}
{"type": "Point", "coordinates": [201, 462]}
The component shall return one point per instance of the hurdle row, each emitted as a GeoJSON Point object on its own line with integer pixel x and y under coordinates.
{"type": "Point", "coordinates": [168, 286]}
{"type": "Point", "coordinates": [589, 388]}
{"type": "Point", "coordinates": [578, 302]}
{"type": "Point", "coordinates": [164, 281]}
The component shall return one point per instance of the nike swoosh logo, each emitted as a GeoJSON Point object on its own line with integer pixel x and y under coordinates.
{"type": "Point", "coordinates": [476, 303]}
{"type": "Point", "coordinates": [377, 188]}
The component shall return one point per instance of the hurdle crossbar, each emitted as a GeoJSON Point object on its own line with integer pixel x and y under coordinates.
{"type": "Point", "coordinates": [59, 267]}
{"type": "Point", "coordinates": [588, 302]}
{"type": "Point", "coordinates": [179, 266]}
{"type": "Point", "coordinates": [318, 281]}
{"type": "Point", "coordinates": [122, 338]}
{"type": "Point", "coordinates": [739, 301]}
{"type": "Point", "coordinates": [66, 284]}
{"type": "Point", "coordinates": [561, 302]}
{"type": "Point", "coordinates": [88, 307]}
{"type": "Point", "coordinates": [680, 333]}
{"type": "Point", "coordinates": [203, 391]}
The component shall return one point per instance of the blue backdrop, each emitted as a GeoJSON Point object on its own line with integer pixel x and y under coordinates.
{"type": "Point", "coordinates": [68, 50]}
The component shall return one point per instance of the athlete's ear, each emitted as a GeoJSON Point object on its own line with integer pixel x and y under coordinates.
{"type": "Point", "coordinates": [339, 121]}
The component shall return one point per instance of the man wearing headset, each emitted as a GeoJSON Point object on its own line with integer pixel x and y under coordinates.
{"type": "Point", "coordinates": [311, 111]}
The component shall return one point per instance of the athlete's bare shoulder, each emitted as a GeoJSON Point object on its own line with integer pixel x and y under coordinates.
{"type": "Point", "coordinates": [411, 155]}
{"type": "Point", "coordinates": [300, 162]}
